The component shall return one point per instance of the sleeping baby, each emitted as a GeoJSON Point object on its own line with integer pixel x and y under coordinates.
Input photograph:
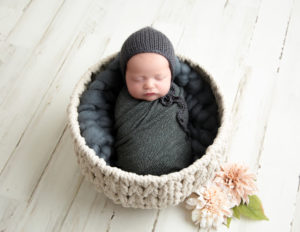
{"type": "Point", "coordinates": [151, 115]}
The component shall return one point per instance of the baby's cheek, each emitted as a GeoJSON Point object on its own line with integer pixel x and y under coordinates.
{"type": "Point", "coordinates": [166, 88]}
{"type": "Point", "coordinates": [134, 89]}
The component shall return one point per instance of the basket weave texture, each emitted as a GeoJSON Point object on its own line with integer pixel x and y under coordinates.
{"type": "Point", "coordinates": [147, 192]}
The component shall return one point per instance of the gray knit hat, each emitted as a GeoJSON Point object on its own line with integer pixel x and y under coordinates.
{"type": "Point", "coordinates": [144, 40]}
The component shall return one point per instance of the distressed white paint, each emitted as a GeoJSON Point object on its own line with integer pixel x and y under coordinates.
{"type": "Point", "coordinates": [250, 46]}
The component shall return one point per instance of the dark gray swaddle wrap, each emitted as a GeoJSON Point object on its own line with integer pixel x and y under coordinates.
{"type": "Point", "coordinates": [149, 140]}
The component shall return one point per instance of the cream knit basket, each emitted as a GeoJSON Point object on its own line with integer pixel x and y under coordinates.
{"type": "Point", "coordinates": [137, 191]}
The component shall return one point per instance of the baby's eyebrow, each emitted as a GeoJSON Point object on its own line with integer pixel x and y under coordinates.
{"type": "Point", "coordinates": [160, 74]}
{"type": "Point", "coordinates": [138, 77]}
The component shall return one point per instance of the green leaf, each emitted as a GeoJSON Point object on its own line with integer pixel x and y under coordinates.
{"type": "Point", "coordinates": [236, 212]}
{"type": "Point", "coordinates": [228, 222]}
{"type": "Point", "coordinates": [253, 210]}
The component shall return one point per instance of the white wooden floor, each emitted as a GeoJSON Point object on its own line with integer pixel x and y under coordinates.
{"type": "Point", "coordinates": [251, 47]}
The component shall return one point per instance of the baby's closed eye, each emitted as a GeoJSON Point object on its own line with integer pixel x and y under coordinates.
{"type": "Point", "coordinates": [159, 78]}
{"type": "Point", "coordinates": [138, 79]}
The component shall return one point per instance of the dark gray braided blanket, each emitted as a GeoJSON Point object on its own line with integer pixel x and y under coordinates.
{"type": "Point", "coordinates": [97, 106]}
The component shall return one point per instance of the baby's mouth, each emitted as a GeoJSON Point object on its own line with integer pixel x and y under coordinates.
{"type": "Point", "coordinates": [149, 94]}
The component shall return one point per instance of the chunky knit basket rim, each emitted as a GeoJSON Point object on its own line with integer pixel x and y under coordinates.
{"type": "Point", "coordinates": [213, 156]}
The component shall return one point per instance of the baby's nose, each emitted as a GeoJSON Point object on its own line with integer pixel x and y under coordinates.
{"type": "Point", "coordinates": [149, 84]}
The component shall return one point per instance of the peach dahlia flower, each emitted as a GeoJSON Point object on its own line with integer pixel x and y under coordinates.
{"type": "Point", "coordinates": [237, 182]}
{"type": "Point", "coordinates": [210, 207]}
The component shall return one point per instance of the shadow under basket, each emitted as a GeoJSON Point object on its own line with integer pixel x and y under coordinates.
{"type": "Point", "coordinates": [147, 191]}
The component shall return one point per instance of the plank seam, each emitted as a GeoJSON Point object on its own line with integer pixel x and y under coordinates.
{"type": "Point", "coordinates": [46, 166]}
{"type": "Point", "coordinates": [155, 221]}
{"type": "Point", "coordinates": [71, 203]}
{"type": "Point", "coordinates": [292, 228]}
{"type": "Point", "coordinates": [109, 221]}
{"type": "Point", "coordinates": [19, 19]}
{"type": "Point", "coordinates": [285, 36]}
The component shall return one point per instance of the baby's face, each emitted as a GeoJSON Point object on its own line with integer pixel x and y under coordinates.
{"type": "Point", "coordinates": [148, 76]}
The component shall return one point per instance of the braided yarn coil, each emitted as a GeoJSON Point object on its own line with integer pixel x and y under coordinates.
{"type": "Point", "coordinates": [147, 192]}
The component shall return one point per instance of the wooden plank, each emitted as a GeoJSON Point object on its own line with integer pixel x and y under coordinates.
{"type": "Point", "coordinates": [222, 43]}
{"type": "Point", "coordinates": [10, 210]}
{"type": "Point", "coordinates": [296, 223]}
{"type": "Point", "coordinates": [90, 211]}
{"type": "Point", "coordinates": [128, 219]}
{"type": "Point", "coordinates": [173, 218]}
{"type": "Point", "coordinates": [279, 172]}
{"type": "Point", "coordinates": [12, 70]}
{"type": "Point", "coordinates": [11, 59]}
{"type": "Point", "coordinates": [11, 13]}
{"type": "Point", "coordinates": [27, 34]}
{"type": "Point", "coordinates": [33, 28]}
{"type": "Point", "coordinates": [266, 101]}
{"type": "Point", "coordinates": [250, 111]}
{"type": "Point", "coordinates": [24, 129]}
{"type": "Point", "coordinates": [54, 190]}
{"type": "Point", "coordinates": [15, 58]}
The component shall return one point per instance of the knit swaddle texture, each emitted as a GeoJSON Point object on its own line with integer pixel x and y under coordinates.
{"type": "Point", "coordinates": [149, 140]}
